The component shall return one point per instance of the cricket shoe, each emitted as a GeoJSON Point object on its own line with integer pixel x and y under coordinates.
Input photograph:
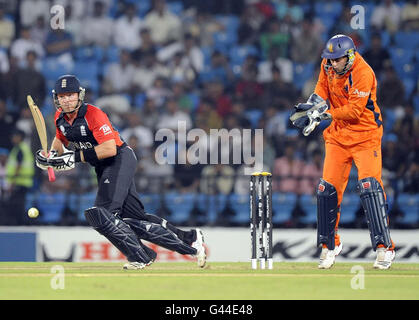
{"type": "Point", "coordinates": [201, 254]}
{"type": "Point", "coordinates": [136, 265]}
{"type": "Point", "coordinates": [384, 258]}
{"type": "Point", "coordinates": [328, 257]}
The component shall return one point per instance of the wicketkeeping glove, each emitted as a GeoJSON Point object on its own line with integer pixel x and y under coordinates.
{"type": "Point", "coordinates": [308, 115]}
{"type": "Point", "coordinates": [314, 119]}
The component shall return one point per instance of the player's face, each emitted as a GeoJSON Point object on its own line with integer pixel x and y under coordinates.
{"type": "Point", "coordinates": [68, 101]}
{"type": "Point", "coordinates": [339, 63]}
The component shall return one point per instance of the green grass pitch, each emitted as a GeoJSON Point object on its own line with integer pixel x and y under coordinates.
{"type": "Point", "coordinates": [217, 281]}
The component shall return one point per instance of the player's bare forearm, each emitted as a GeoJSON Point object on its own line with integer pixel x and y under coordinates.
{"type": "Point", "coordinates": [104, 150]}
{"type": "Point", "coordinates": [57, 145]}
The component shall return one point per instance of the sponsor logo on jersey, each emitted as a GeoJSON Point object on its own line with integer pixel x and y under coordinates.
{"type": "Point", "coordinates": [361, 94]}
{"type": "Point", "coordinates": [106, 129]}
{"type": "Point", "coordinates": [321, 187]}
{"type": "Point", "coordinates": [62, 130]}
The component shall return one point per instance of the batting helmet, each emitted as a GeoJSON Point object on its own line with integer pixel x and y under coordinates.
{"type": "Point", "coordinates": [68, 84]}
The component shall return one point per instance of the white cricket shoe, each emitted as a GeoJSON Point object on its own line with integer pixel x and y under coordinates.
{"type": "Point", "coordinates": [328, 257]}
{"type": "Point", "coordinates": [201, 254]}
{"type": "Point", "coordinates": [135, 265]}
{"type": "Point", "coordinates": [384, 258]}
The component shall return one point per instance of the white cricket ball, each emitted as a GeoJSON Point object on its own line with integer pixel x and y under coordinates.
{"type": "Point", "coordinates": [33, 212]}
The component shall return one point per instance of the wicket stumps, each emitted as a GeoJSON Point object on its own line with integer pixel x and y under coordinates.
{"type": "Point", "coordinates": [261, 219]}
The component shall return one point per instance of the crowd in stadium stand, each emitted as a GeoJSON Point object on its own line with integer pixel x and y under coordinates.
{"type": "Point", "coordinates": [211, 64]}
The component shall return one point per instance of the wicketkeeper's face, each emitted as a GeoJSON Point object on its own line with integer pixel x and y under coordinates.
{"type": "Point", "coordinates": [68, 101]}
{"type": "Point", "coordinates": [339, 63]}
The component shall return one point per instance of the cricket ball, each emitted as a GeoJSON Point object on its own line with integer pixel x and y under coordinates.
{"type": "Point", "coordinates": [33, 212]}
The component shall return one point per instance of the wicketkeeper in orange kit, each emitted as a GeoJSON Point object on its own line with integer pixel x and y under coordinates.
{"type": "Point", "coordinates": [346, 92]}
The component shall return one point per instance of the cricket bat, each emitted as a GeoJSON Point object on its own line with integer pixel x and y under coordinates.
{"type": "Point", "coordinates": [42, 132]}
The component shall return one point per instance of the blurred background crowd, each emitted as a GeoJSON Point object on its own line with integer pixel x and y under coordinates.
{"type": "Point", "coordinates": [211, 64]}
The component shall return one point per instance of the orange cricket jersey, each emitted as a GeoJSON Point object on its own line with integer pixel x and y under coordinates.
{"type": "Point", "coordinates": [353, 103]}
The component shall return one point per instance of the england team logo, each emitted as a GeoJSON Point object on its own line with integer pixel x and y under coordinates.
{"type": "Point", "coordinates": [83, 131]}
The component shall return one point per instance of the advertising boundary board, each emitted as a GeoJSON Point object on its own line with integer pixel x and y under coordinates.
{"type": "Point", "coordinates": [83, 244]}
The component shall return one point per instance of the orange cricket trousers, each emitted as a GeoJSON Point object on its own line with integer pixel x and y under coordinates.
{"type": "Point", "coordinates": [338, 162]}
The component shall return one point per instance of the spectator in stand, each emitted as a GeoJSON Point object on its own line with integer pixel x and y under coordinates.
{"type": "Point", "coordinates": [153, 177]}
{"type": "Point", "coordinates": [29, 80]}
{"type": "Point", "coordinates": [147, 70]}
{"type": "Point", "coordinates": [274, 60]}
{"type": "Point", "coordinates": [4, 69]}
{"type": "Point", "coordinates": [266, 8]}
{"type": "Point", "coordinates": [288, 171]}
{"type": "Point", "coordinates": [39, 31]}
{"type": "Point", "coordinates": [248, 89]}
{"type": "Point", "coordinates": [310, 84]}
{"type": "Point", "coordinates": [172, 116]}
{"type": "Point", "coordinates": [279, 93]}
{"type": "Point", "coordinates": [179, 93]}
{"type": "Point", "coordinates": [377, 56]}
{"type": "Point", "coordinates": [187, 176]}
{"type": "Point", "coordinates": [275, 36]}
{"type": "Point", "coordinates": [164, 26]}
{"type": "Point", "coordinates": [98, 28]}
{"type": "Point", "coordinates": [147, 45]}
{"type": "Point", "coordinates": [23, 44]}
{"type": "Point", "coordinates": [391, 91]}
{"type": "Point", "coordinates": [410, 16]}
{"type": "Point", "coordinates": [386, 16]}
{"type": "Point", "coordinates": [411, 177]}
{"type": "Point", "coordinates": [118, 77]}
{"type": "Point", "coordinates": [202, 27]}
{"type": "Point", "coordinates": [216, 93]}
{"type": "Point", "coordinates": [220, 69]}
{"type": "Point", "coordinates": [30, 10]}
{"type": "Point", "coordinates": [306, 44]}
{"type": "Point", "coordinates": [207, 117]}
{"type": "Point", "coordinates": [251, 21]}
{"type": "Point", "coordinates": [137, 129]}
{"type": "Point", "coordinates": [407, 128]}
{"type": "Point", "coordinates": [7, 29]}
{"type": "Point", "coordinates": [7, 124]}
{"type": "Point", "coordinates": [150, 114]}
{"type": "Point", "coordinates": [218, 178]}
{"type": "Point", "coordinates": [193, 53]}
{"type": "Point", "coordinates": [59, 45]}
{"type": "Point", "coordinates": [159, 91]}
{"type": "Point", "coordinates": [276, 123]}
{"type": "Point", "coordinates": [311, 174]}
{"type": "Point", "coordinates": [292, 9]}
{"type": "Point", "coordinates": [394, 156]}
{"type": "Point", "coordinates": [127, 29]}
{"type": "Point", "coordinates": [188, 50]}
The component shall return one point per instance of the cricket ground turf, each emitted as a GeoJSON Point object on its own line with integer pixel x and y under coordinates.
{"type": "Point", "coordinates": [217, 281]}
